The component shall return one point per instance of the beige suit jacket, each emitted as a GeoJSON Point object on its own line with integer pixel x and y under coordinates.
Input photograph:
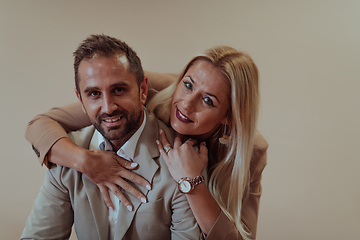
{"type": "Point", "coordinates": [68, 197]}
{"type": "Point", "coordinates": [71, 117]}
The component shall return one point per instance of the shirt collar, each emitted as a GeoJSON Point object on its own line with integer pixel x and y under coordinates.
{"type": "Point", "coordinates": [129, 146]}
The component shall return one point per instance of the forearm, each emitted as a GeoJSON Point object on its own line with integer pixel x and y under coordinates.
{"type": "Point", "coordinates": [159, 81]}
{"type": "Point", "coordinates": [44, 130]}
{"type": "Point", "coordinates": [205, 208]}
{"type": "Point", "coordinates": [66, 153]}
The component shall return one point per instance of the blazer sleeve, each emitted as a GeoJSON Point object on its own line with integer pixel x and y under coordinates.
{"type": "Point", "coordinates": [52, 216]}
{"type": "Point", "coordinates": [44, 130]}
{"type": "Point", "coordinates": [184, 225]}
{"type": "Point", "coordinates": [223, 228]}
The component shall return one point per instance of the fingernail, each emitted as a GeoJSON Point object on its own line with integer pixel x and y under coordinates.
{"type": "Point", "coordinates": [143, 200]}
{"type": "Point", "coordinates": [157, 142]}
{"type": "Point", "coordinates": [129, 208]}
{"type": "Point", "coordinates": [161, 131]}
{"type": "Point", "coordinates": [148, 187]}
{"type": "Point", "coordinates": [134, 164]}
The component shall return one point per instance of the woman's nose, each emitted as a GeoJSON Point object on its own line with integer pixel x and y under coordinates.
{"type": "Point", "coordinates": [190, 102]}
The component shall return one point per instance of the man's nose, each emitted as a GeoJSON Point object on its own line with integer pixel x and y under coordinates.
{"type": "Point", "coordinates": [109, 105]}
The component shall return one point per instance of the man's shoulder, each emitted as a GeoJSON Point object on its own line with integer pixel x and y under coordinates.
{"type": "Point", "coordinates": [157, 124]}
{"type": "Point", "coordinates": [61, 177]}
{"type": "Point", "coordinates": [83, 136]}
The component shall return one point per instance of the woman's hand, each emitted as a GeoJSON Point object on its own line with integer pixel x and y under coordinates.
{"type": "Point", "coordinates": [109, 172]}
{"type": "Point", "coordinates": [104, 168]}
{"type": "Point", "coordinates": [182, 160]}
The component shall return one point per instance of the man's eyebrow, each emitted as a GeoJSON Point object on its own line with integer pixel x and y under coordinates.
{"type": "Point", "coordinates": [212, 95]}
{"type": "Point", "coordinates": [120, 84]}
{"type": "Point", "coordinates": [90, 89]}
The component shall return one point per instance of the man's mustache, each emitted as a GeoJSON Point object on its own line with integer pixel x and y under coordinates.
{"type": "Point", "coordinates": [113, 114]}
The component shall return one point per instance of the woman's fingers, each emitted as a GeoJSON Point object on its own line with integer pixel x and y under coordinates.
{"type": "Point", "coordinates": [128, 187]}
{"type": "Point", "coordinates": [178, 141]}
{"type": "Point", "coordinates": [105, 193]}
{"type": "Point", "coordinates": [124, 173]}
{"type": "Point", "coordinates": [203, 151]}
{"type": "Point", "coordinates": [164, 141]}
{"type": "Point", "coordinates": [117, 192]}
{"type": "Point", "coordinates": [191, 142]}
{"type": "Point", "coordinates": [162, 150]}
{"type": "Point", "coordinates": [125, 163]}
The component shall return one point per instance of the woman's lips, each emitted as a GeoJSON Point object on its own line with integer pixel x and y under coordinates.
{"type": "Point", "coordinates": [182, 117]}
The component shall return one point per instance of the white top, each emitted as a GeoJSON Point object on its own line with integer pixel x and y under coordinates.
{"type": "Point", "coordinates": [127, 152]}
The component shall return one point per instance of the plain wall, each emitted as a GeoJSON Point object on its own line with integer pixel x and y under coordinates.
{"type": "Point", "coordinates": [308, 56]}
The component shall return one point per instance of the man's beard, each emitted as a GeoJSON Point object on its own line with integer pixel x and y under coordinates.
{"type": "Point", "coordinates": [122, 133]}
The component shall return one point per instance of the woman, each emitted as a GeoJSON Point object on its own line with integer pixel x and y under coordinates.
{"type": "Point", "coordinates": [213, 103]}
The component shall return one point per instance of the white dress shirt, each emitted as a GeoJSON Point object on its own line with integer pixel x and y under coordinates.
{"type": "Point", "coordinates": [127, 151]}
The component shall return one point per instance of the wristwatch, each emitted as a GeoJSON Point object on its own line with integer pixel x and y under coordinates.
{"type": "Point", "coordinates": [186, 184]}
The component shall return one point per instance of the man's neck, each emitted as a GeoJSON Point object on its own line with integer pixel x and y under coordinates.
{"type": "Point", "coordinates": [118, 143]}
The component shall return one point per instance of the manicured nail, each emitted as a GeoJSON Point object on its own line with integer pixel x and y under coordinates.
{"type": "Point", "coordinates": [143, 200]}
{"type": "Point", "coordinates": [161, 131]}
{"type": "Point", "coordinates": [157, 142]}
{"type": "Point", "coordinates": [129, 208]}
{"type": "Point", "coordinates": [148, 187]}
{"type": "Point", "coordinates": [134, 164]}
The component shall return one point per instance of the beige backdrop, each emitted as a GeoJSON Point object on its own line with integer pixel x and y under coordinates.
{"type": "Point", "coordinates": [308, 56]}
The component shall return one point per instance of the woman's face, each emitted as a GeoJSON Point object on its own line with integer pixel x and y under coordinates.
{"type": "Point", "coordinates": [200, 102]}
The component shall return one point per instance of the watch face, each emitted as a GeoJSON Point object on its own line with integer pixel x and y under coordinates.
{"type": "Point", "coordinates": [185, 186]}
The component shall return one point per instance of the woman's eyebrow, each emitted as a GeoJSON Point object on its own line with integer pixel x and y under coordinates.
{"type": "Point", "coordinates": [192, 80]}
{"type": "Point", "coordinates": [210, 94]}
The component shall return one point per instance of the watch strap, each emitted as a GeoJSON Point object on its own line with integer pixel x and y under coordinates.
{"type": "Point", "coordinates": [197, 180]}
{"type": "Point", "coordinates": [193, 182]}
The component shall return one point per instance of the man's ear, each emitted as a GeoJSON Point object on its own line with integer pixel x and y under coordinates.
{"type": "Point", "coordinates": [79, 97]}
{"type": "Point", "coordinates": [143, 90]}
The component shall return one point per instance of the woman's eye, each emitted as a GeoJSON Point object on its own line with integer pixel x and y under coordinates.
{"type": "Point", "coordinates": [188, 85]}
{"type": "Point", "coordinates": [208, 101]}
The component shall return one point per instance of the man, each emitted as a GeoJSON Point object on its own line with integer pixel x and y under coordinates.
{"type": "Point", "coordinates": [111, 86]}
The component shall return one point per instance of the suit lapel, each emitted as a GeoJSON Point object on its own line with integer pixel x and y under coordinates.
{"type": "Point", "coordinates": [146, 154]}
{"type": "Point", "coordinates": [98, 207]}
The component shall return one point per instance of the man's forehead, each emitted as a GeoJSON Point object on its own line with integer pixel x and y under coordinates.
{"type": "Point", "coordinates": [123, 60]}
{"type": "Point", "coordinates": [95, 70]}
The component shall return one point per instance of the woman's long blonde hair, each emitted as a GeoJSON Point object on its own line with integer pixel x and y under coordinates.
{"type": "Point", "coordinates": [229, 165]}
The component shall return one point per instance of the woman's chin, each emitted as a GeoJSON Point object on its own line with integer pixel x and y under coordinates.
{"type": "Point", "coordinates": [180, 129]}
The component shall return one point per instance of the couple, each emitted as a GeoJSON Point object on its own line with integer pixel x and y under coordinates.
{"type": "Point", "coordinates": [213, 106]}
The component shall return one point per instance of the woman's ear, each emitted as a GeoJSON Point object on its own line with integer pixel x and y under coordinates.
{"type": "Point", "coordinates": [224, 121]}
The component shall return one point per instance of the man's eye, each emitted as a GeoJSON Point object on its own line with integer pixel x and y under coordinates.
{"type": "Point", "coordinates": [118, 90]}
{"type": "Point", "coordinates": [208, 101]}
{"type": "Point", "coordinates": [94, 94]}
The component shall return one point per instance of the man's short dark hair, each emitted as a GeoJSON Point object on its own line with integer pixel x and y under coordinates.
{"type": "Point", "coordinates": [106, 46]}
